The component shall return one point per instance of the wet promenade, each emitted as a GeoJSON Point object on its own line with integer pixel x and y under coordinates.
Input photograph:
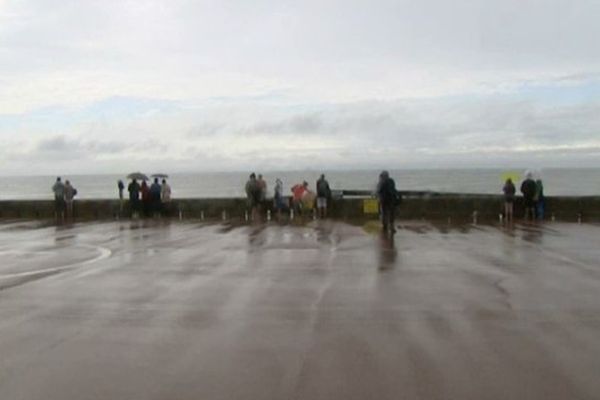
{"type": "Point", "coordinates": [159, 311]}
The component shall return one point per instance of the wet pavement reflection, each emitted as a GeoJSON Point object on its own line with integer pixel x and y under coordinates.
{"type": "Point", "coordinates": [319, 310]}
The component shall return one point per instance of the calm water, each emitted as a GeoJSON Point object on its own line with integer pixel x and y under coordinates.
{"type": "Point", "coordinates": [556, 182]}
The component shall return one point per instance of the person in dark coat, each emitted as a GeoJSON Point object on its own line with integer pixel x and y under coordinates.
{"type": "Point", "coordinates": [120, 187]}
{"type": "Point", "coordinates": [388, 200]}
{"type": "Point", "coordinates": [323, 196]}
{"type": "Point", "coordinates": [509, 199]}
{"type": "Point", "coordinates": [528, 189]}
{"type": "Point", "coordinates": [155, 200]}
{"type": "Point", "coordinates": [146, 199]}
{"type": "Point", "coordinates": [134, 197]}
{"type": "Point", "coordinates": [254, 192]}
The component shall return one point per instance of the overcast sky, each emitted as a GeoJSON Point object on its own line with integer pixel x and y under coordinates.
{"type": "Point", "coordinates": [114, 86]}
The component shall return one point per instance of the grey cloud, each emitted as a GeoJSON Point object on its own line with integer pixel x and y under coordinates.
{"type": "Point", "coordinates": [70, 147]}
{"type": "Point", "coordinates": [206, 130]}
{"type": "Point", "coordinates": [496, 126]}
{"type": "Point", "coordinates": [297, 124]}
{"type": "Point", "coordinates": [56, 144]}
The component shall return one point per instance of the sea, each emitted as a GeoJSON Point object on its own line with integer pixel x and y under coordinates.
{"type": "Point", "coordinates": [567, 182]}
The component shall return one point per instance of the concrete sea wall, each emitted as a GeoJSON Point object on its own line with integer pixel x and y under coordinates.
{"type": "Point", "coordinates": [457, 207]}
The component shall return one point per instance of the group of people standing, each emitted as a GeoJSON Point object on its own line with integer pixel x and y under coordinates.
{"type": "Point", "coordinates": [533, 198]}
{"type": "Point", "coordinates": [302, 200]}
{"type": "Point", "coordinates": [153, 200]}
{"type": "Point", "coordinates": [64, 194]}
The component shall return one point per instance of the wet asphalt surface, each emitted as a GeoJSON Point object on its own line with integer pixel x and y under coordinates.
{"type": "Point", "coordinates": [152, 310]}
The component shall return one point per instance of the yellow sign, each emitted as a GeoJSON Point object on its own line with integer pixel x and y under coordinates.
{"type": "Point", "coordinates": [370, 206]}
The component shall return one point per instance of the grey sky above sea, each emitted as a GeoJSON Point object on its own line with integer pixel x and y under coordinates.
{"type": "Point", "coordinates": [116, 85]}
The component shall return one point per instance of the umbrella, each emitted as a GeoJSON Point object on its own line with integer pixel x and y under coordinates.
{"type": "Point", "coordinates": [138, 176]}
{"type": "Point", "coordinates": [159, 175]}
{"type": "Point", "coordinates": [513, 176]}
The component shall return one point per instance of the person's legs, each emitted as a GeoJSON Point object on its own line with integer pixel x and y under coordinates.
{"type": "Point", "coordinates": [529, 212]}
{"type": "Point", "coordinates": [256, 213]}
{"type": "Point", "coordinates": [321, 206]}
{"type": "Point", "coordinates": [392, 220]}
{"type": "Point", "coordinates": [60, 209]}
{"type": "Point", "coordinates": [69, 207]}
{"type": "Point", "coordinates": [540, 210]}
{"type": "Point", "coordinates": [158, 210]}
{"type": "Point", "coordinates": [298, 207]}
{"type": "Point", "coordinates": [385, 216]}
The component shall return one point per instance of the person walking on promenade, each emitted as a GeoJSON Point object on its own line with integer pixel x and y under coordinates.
{"type": "Point", "coordinates": [540, 201]}
{"type": "Point", "coordinates": [165, 195]}
{"type": "Point", "coordinates": [509, 199]}
{"type": "Point", "coordinates": [59, 199]}
{"type": "Point", "coordinates": [388, 199]}
{"type": "Point", "coordinates": [323, 196]}
{"type": "Point", "coordinates": [70, 193]}
{"type": "Point", "coordinates": [134, 197]}
{"type": "Point", "coordinates": [146, 199]}
{"type": "Point", "coordinates": [278, 201]}
{"type": "Point", "coordinates": [254, 193]}
{"type": "Point", "coordinates": [528, 189]}
{"type": "Point", "coordinates": [155, 198]}
{"type": "Point", "coordinates": [121, 187]}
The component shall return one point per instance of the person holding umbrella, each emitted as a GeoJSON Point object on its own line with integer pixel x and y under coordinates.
{"type": "Point", "coordinates": [155, 198]}
{"type": "Point", "coordinates": [134, 197]}
{"type": "Point", "coordinates": [146, 201]}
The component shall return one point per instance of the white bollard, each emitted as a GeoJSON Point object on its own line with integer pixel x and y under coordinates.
{"type": "Point", "coordinates": [291, 213]}
{"type": "Point", "coordinates": [501, 217]}
{"type": "Point", "coordinates": [474, 217]}
{"type": "Point", "coordinates": [246, 215]}
{"type": "Point", "coordinates": [224, 215]}
{"type": "Point", "coordinates": [202, 215]}
{"type": "Point", "coordinates": [268, 215]}
{"type": "Point", "coordinates": [180, 215]}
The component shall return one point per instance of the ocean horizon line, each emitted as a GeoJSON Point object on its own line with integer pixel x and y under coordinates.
{"type": "Point", "coordinates": [307, 170]}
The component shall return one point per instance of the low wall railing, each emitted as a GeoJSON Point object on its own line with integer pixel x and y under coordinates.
{"type": "Point", "coordinates": [350, 205]}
